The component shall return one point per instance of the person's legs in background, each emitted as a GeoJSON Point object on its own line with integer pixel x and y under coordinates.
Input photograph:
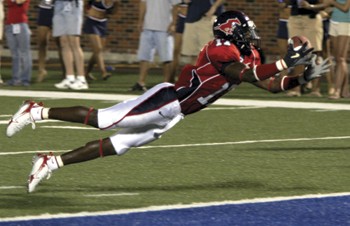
{"type": "Point", "coordinates": [43, 37]}
{"type": "Point", "coordinates": [26, 61]}
{"type": "Point", "coordinates": [340, 45]}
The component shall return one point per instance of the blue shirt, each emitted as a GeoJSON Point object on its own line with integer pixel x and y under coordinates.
{"type": "Point", "coordinates": [340, 16]}
{"type": "Point", "coordinates": [198, 8]}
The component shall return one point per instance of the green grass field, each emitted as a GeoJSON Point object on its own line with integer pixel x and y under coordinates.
{"type": "Point", "coordinates": [202, 159]}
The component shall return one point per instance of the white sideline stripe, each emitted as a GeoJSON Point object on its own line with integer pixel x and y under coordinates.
{"type": "Point", "coordinates": [246, 142]}
{"type": "Point", "coordinates": [69, 127]}
{"type": "Point", "coordinates": [10, 187]}
{"type": "Point", "coordinates": [201, 144]}
{"type": "Point", "coordinates": [31, 152]}
{"type": "Point", "coordinates": [111, 194]}
{"type": "Point", "coordinates": [5, 122]}
{"type": "Point", "coordinates": [2, 122]}
{"type": "Point", "coordinates": [223, 101]}
{"type": "Point", "coordinates": [172, 207]}
{"type": "Point", "coordinates": [231, 108]}
{"type": "Point", "coordinates": [3, 116]}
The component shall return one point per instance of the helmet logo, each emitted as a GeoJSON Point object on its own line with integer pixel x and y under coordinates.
{"type": "Point", "coordinates": [228, 26]}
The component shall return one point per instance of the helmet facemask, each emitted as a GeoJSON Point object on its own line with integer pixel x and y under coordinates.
{"type": "Point", "coordinates": [244, 36]}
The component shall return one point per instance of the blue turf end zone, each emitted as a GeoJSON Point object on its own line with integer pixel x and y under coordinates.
{"type": "Point", "coordinates": [329, 211]}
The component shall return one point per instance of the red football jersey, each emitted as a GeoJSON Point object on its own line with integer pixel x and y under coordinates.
{"type": "Point", "coordinates": [202, 84]}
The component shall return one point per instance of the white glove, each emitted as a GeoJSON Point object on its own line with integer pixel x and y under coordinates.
{"type": "Point", "coordinates": [314, 70]}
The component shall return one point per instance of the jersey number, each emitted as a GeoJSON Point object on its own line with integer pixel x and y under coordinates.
{"type": "Point", "coordinates": [206, 100]}
{"type": "Point", "coordinates": [220, 42]}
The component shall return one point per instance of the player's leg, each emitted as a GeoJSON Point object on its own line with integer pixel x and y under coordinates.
{"type": "Point", "coordinates": [158, 121]}
{"type": "Point", "coordinates": [45, 164]}
{"type": "Point", "coordinates": [78, 114]}
{"type": "Point", "coordinates": [154, 121]}
{"type": "Point", "coordinates": [30, 112]}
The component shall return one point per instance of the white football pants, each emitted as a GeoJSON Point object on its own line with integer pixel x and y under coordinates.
{"type": "Point", "coordinates": [143, 119]}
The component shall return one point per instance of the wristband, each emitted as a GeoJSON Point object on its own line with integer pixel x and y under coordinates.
{"type": "Point", "coordinates": [281, 65]}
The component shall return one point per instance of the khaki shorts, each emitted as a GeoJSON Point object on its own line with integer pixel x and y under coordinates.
{"type": "Point", "coordinates": [196, 35]}
{"type": "Point", "coordinates": [339, 29]}
{"type": "Point", "coordinates": [312, 28]}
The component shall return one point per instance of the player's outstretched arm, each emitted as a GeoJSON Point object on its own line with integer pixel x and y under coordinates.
{"type": "Point", "coordinates": [295, 56]}
{"type": "Point", "coordinates": [283, 83]}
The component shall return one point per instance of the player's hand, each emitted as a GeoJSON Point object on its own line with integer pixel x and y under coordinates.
{"type": "Point", "coordinates": [315, 69]}
{"type": "Point", "coordinates": [297, 55]}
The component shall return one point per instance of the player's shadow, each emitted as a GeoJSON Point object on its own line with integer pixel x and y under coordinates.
{"type": "Point", "coordinates": [24, 201]}
{"type": "Point", "coordinates": [228, 185]}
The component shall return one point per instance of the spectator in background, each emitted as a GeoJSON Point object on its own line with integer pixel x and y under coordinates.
{"type": "Point", "coordinates": [180, 26]}
{"type": "Point", "coordinates": [18, 40]}
{"type": "Point", "coordinates": [67, 24]}
{"type": "Point", "coordinates": [95, 26]}
{"type": "Point", "coordinates": [156, 24]}
{"type": "Point", "coordinates": [326, 49]}
{"type": "Point", "coordinates": [1, 33]}
{"type": "Point", "coordinates": [340, 37]}
{"type": "Point", "coordinates": [200, 16]}
{"type": "Point", "coordinates": [282, 30]}
{"type": "Point", "coordinates": [44, 22]}
{"type": "Point", "coordinates": [305, 20]}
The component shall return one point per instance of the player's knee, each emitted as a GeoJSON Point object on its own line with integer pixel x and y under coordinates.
{"type": "Point", "coordinates": [102, 146]}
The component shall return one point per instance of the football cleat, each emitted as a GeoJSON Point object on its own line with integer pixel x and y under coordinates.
{"type": "Point", "coordinates": [39, 171]}
{"type": "Point", "coordinates": [21, 118]}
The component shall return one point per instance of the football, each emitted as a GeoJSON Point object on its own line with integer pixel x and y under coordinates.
{"type": "Point", "coordinates": [298, 41]}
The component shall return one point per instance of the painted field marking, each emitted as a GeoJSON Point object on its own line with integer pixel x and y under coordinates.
{"type": "Point", "coordinates": [111, 194]}
{"type": "Point", "coordinates": [69, 127]}
{"type": "Point", "coordinates": [11, 187]}
{"type": "Point", "coordinates": [2, 122]}
{"type": "Point", "coordinates": [223, 101]}
{"type": "Point", "coordinates": [246, 142]}
{"type": "Point", "coordinates": [173, 207]}
{"type": "Point", "coordinates": [201, 144]}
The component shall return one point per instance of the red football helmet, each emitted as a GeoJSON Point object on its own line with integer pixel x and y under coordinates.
{"type": "Point", "coordinates": [237, 28]}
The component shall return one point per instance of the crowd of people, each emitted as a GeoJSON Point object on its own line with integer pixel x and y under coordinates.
{"type": "Point", "coordinates": [326, 23]}
{"type": "Point", "coordinates": [172, 29]}
{"type": "Point", "coordinates": [52, 20]}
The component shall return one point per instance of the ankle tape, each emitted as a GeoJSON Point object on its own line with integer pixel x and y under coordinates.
{"type": "Point", "coordinates": [100, 149]}
{"type": "Point", "coordinates": [88, 115]}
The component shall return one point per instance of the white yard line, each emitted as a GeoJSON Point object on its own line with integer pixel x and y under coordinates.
{"type": "Point", "coordinates": [203, 144]}
{"type": "Point", "coordinates": [110, 194]}
{"type": "Point", "coordinates": [11, 187]}
{"type": "Point", "coordinates": [225, 102]}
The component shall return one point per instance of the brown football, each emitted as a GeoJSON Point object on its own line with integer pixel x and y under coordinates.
{"type": "Point", "coordinates": [299, 40]}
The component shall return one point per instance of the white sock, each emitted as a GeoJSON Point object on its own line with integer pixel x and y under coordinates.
{"type": "Point", "coordinates": [54, 162]}
{"type": "Point", "coordinates": [81, 78]}
{"type": "Point", "coordinates": [36, 113]}
{"type": "Point", "coordinates": [70, 77]}
{"type": "Point", "coordinates": [45, 113]}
